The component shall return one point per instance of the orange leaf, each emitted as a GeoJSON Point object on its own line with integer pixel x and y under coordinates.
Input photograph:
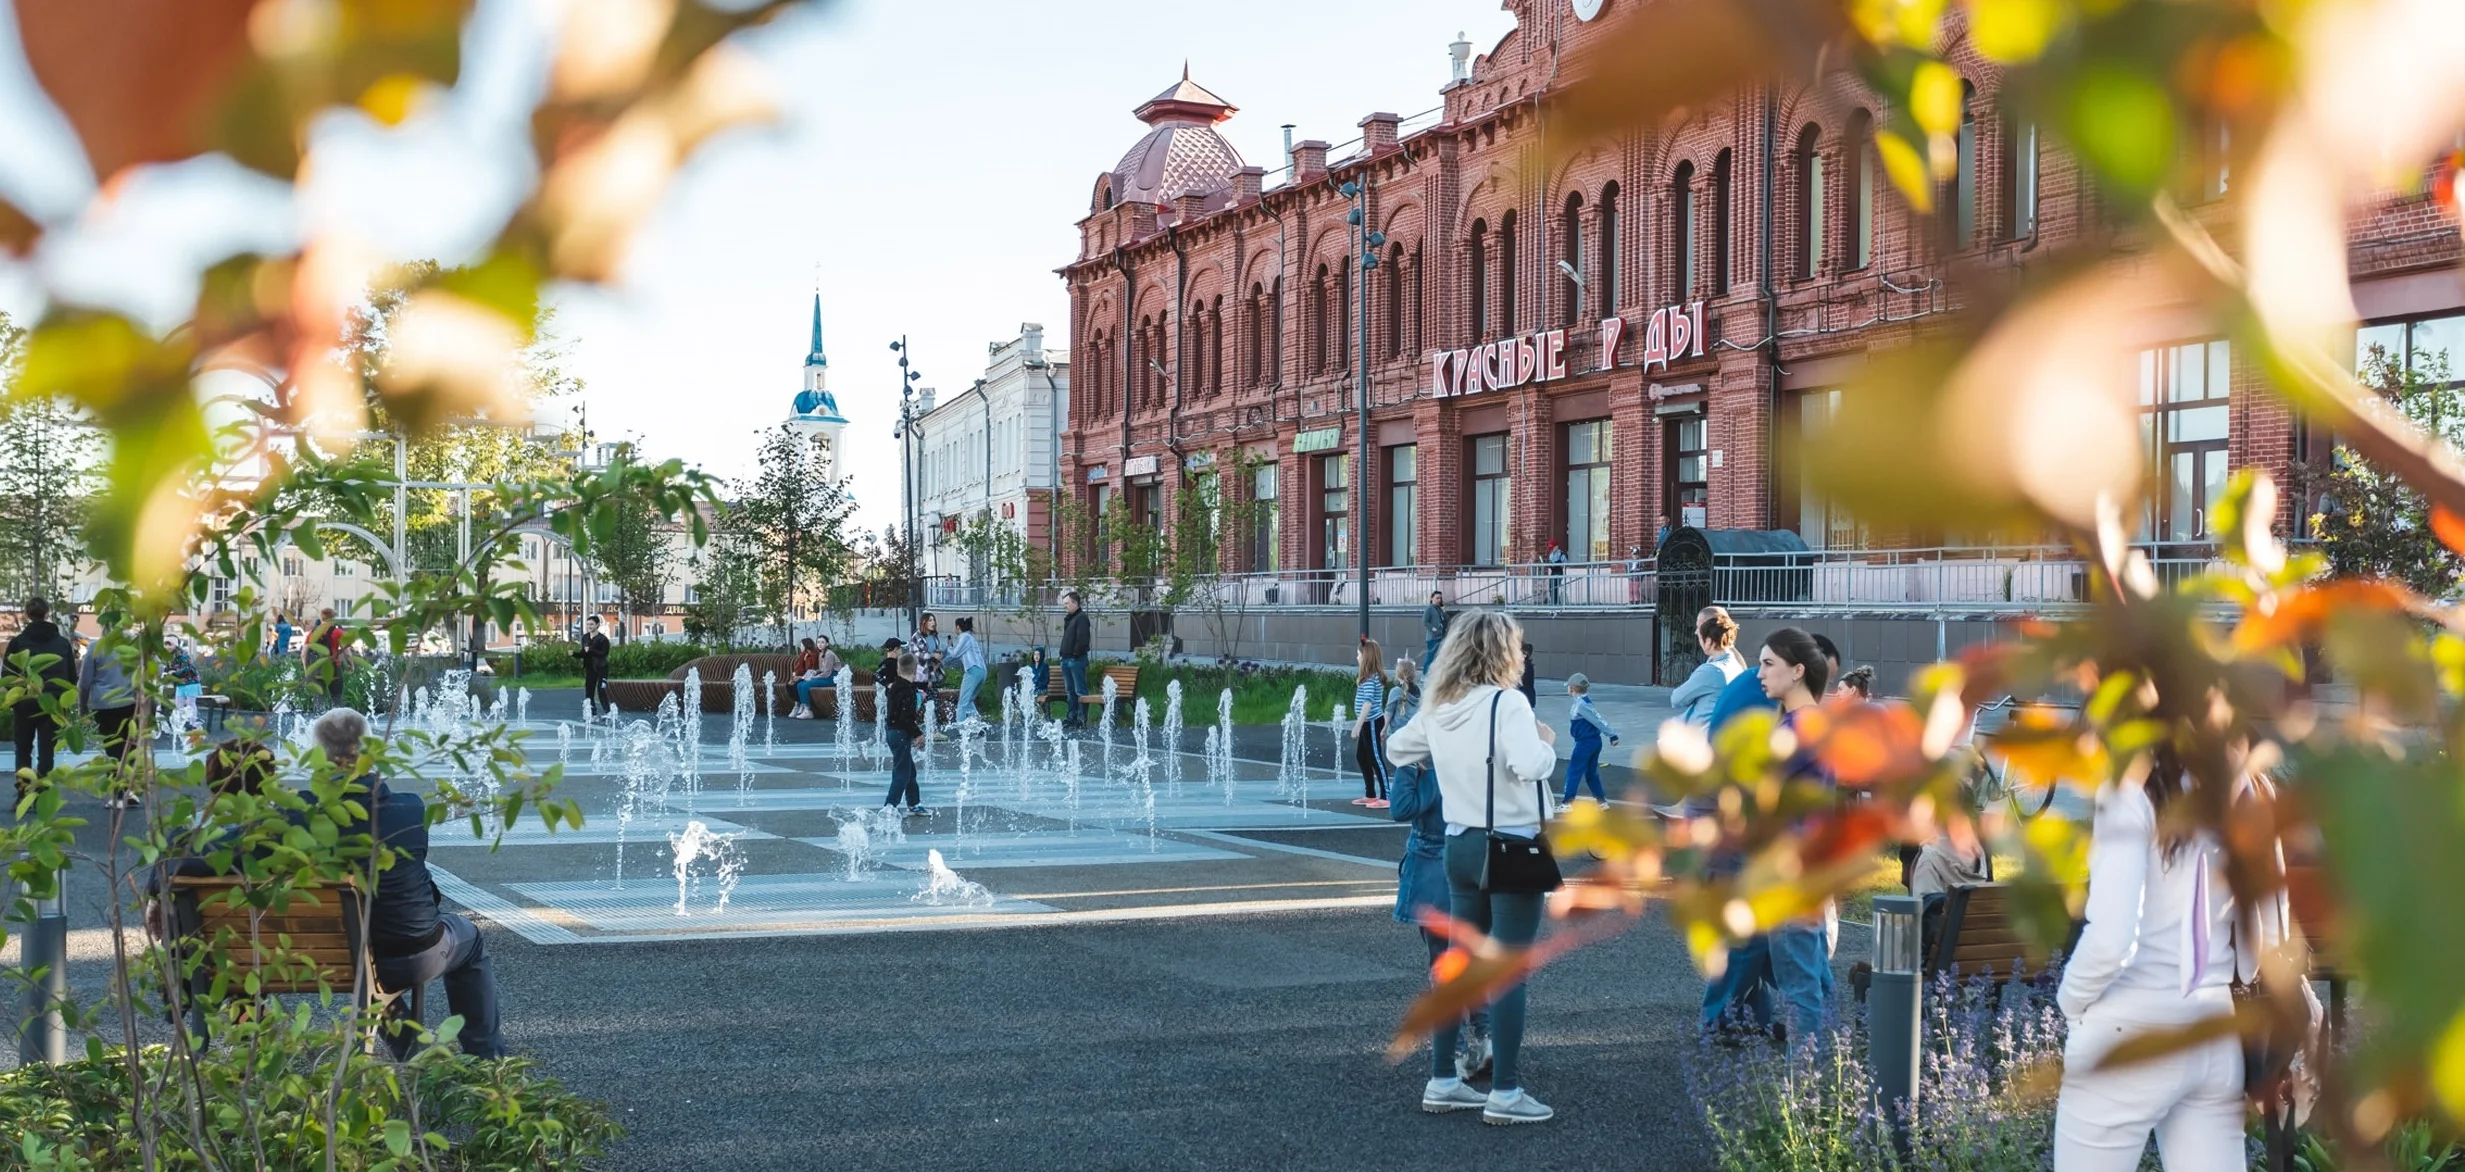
{"type": "Point", "coordinates": [2296, 615]}
{"type": "Point", "coordinates": [138, 79]}
{"type": "Point", "coordinates": [1851, 831]}
{"type": "Point", "coordinates": [2448, 526]}
{"type": "Point", "coordinates": [1863, 744]}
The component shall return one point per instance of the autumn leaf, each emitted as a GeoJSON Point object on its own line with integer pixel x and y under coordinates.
{"type": "Point", "coordinates": [2296, 616]}
{"type": "Point", "coordinates": [2449, 527]}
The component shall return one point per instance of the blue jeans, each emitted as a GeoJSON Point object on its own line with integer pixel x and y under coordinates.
{"type": "Point", "coordinates": [460, 957]}
{"type": "Point", "coordinates": [806, 688]}
{"type": "Point", "coordinates": [1792, 961]}
{"type": "Point", "coordinates": [903, 789]}
{"type": "Point", "coordinates": [1514, 920]}
{"type": "Point", "coordinates": [1802, 971]}
{"type": "Point", "coordinates": [1585, 768]}
{"type": "Point", "coordinates": [969, 681]}
{"type": "Point", "coordinates": [1431, 655]}
{"type": "Point", "coordinates": [1073, 686]}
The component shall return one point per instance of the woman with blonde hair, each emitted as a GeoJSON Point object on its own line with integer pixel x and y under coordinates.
{"type": "Point", "coordinates": [1369, 697]}
{"type": "Point", "coordinates": [1472, 713]}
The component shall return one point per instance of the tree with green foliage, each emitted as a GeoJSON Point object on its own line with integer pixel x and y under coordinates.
{"type": "Point", "coordinates": [2372, 523]}
{"type": "Point", "coordinates": [727, 584]}
{"type": "Point", "coordinates": [794, 517]}
{"type": "Point", "coordinates": [48, 455]}
{"type": "Point", "coordinates": [635, 555]}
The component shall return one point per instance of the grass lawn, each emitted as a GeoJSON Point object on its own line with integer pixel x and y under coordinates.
{"type": "Point", "coordinates": [540, 683]}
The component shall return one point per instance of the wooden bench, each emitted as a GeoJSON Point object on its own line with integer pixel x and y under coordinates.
{"type": "Point", "coordinates": [1974, 933]}
{"type": "Point", "coordinates": [313, 943]}
{"type": "Point", "coordinates": [1125, 688]}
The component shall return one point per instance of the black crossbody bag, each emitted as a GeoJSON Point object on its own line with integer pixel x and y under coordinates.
{"type": "Point", "coordinates": [1514, 866]}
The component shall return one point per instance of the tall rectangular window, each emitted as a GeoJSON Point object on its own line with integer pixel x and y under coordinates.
{"type": "Point", "coordinates": [2019, 177]}
{"type": "Point", "coordinates": [1403, 494]}
{"type": "Point", "coordinates": [2184, 416]}
{"type": "Point", "coordinates": [1492, 529]}
{"type": "Point", "coordinates": [1860, 154]}
{"type": "Point", "coordinates": [1964, 176]}
{"type": "Point", "coordinates": [1587, 491]}
{"type": "Point", "coordinates": [1823, 524]}
{"type": "Point", "coordinates": [1334, 511]}
{"type": "Point", "coordinates": [1263, 517]}
{"type": "Point", "coordinates": [1687, 447]}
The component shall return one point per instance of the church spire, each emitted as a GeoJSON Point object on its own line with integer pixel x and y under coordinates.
{"type": "Point", "coordinates": [816, 358]}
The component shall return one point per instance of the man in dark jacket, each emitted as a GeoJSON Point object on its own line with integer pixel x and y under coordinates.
{"type": "Point", "coordinates": [1076, 641]}
{"type": "Point", "coordinates": [594, 657]}
{"type": "Point", "coordinates": [1433, 628]}
{"type": "Point", "coordinates": [38, 732]}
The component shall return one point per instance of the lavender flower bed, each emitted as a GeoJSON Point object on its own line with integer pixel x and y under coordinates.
{"type": "Point", "coordinates": [1989, 1061]}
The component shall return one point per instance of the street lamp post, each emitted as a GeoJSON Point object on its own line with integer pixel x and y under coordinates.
{"type": "Point", "coordinates": [1370, 242]}
{"type": "Point", "coordinates": [907, 433]}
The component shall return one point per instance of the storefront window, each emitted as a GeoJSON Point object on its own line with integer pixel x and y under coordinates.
{"type": "Point", "coordinates": [1403, 488]}
{"type": "Point", "coordinates": [1491, 532]}
{"type": "Point", "coordinates": [1263, 515]}
{"type": "Point", "coordinates": [1688, 445]}
{"type": "Point", "coordinates": [1822, 523]}
{"type": "Point", "coordinates": [1587, 491]}
{"type": "Point", "coordinates": [1334, 512]}
{"type": "Point", "coordinates": [2183, 423]}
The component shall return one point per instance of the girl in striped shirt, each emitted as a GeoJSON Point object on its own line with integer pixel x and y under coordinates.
{"type": "Point", "coordinates": [1369, 693]}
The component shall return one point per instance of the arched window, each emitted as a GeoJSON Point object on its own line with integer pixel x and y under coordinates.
{"type": "Point", "coordinates": [1506, 273]}
{"type": "Point", "coordinates": [1343, 314]}
{"type": "Point", "coordinates": [2018, 177]}
{"type": "Point", "coordinates": [1318, 322]}
{"type": "Point", "coordinates": [1194, 345]}
{"type": "Point", "coordinates": [1253, 335]}
{"type": "Point", "coordinates": [1215, 345]}
{"type": "Point", "coordinates": [1606, 259]}
{"type": "Point", "coordinates": [1479, 282]}
{"type": "Point", "coordinates": [1395, 301]}
{"type": "Point", "coordinates": [1958, 214]}
{"type": "Point", "coordinates": [1275, 335]}
{"type": "Point", "coordinates": [1420, 300]}
{"type": "Point", "coordinates": [1858, 152]}
{"type": "Point", "coordinates": [1142, 364]}
{"type": "Point", "coordinates": [1570, 250]}
{"type": "Point", "coordinates": [1682, 231]}
{"type": "Point", "coordinates": [1720, 223]}
{"type": "Point", "coordinates": [1808, 160]}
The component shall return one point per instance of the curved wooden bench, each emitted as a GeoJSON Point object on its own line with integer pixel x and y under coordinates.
{"type": "Point", "coordinates": [313, 941]}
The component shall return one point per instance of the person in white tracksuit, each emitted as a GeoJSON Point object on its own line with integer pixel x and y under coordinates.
{"type": "Point", "coordinates": [2161, 950]}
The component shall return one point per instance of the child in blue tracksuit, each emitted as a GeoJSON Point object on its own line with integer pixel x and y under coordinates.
{"type": "Point", "coordinates": [1585, 722]}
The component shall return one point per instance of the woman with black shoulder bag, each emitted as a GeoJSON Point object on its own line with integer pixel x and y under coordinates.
{"type": "Point", "coordinates": [1493, 759]}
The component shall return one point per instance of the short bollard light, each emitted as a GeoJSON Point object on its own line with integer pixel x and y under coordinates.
{"type": "Point", "coordinates": [1892, 1002]}
{"type": "Point", "coordinates": [42, 1035]}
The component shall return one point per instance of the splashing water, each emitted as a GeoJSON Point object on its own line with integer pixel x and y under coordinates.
{"type": "Point", "coordinates": [843, 694]}
{"type": "Point", "coordinates": [564, 742]}
{"type": "Point", "coordinates": [1172, 736]}
{"type": "Point", "coordinates": [1294, 757]}
{"type": "Point", "coordinates": [1112, 698]}
{"type": "Point", "coordinates": [878, 750]}
{"type": "Point", "coordinates": [1336, 727]}
{"type": "Point", "coordinates": [689, 738]}
{"type": "Point", "coordinates": [944, 888]}
{"type": "Point", "coordinates": [770, 726]}
{"type": "Point", "coordinates": [1220, 763]}
{"type": "Point", "coordinates": [1215, 775]}
{"type": "Point", "coordinates": [522, 706]}
{"type": "Point", "coordinates": [740, 729]}
{"type": "Point", "coordinates": [650, 766]}
{"type": "Point", "coordinates": [698, 844]}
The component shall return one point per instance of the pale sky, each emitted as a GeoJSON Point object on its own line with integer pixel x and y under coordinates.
{"type": "Point", "coordinates": [933, 159]}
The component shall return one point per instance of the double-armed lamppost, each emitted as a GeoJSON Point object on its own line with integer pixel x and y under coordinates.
{"type": "Point", "coordinates": [1370, 242]}
{"type": "Point", "coordinates": [908, 433]}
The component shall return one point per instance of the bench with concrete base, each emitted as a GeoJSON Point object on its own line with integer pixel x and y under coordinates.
{"type": "Point", "coordinates": [1125, 686]}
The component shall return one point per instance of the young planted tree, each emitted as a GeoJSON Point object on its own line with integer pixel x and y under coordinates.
{"type": "Point", "coordinates": [794, 518]}
{"type": "Point", "coordinates": [635, 554]}
{"type": "Point", "coordinates": [727, 585]}
{"type": "Point", "coordinates": [48, 456]}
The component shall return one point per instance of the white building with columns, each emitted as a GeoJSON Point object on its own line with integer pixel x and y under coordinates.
{"type": "Point", "coordinates": [993, 450]}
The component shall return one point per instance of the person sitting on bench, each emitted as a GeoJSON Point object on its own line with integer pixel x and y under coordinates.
{"type": "Point", "coordinates": [412, 940]}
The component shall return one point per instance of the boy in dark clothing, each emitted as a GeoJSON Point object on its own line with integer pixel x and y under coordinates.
{"type": "Point", "coordinates": [38, 732]}
{"type": "Point", "coordinates": [594, 656]}
{"type": "Point", "coordinates": [1076, 641]}
{"type": "Point", "coordinates": [903, 727]}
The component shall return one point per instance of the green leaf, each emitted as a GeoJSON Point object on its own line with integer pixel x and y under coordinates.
{"type": "Point", "coordinates": [398, 1137]}
{"type": "Point", "coordinates": [2122, 124]}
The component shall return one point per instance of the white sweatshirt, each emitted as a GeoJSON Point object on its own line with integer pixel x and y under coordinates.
{"type": "Point", "coordinates": [1456, 737]}
{"type": "Point", "coordinates": [2143, 921]}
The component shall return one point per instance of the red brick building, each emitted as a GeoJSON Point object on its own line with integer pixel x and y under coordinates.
{"type": "Point", "coordinates": [1751, 255]}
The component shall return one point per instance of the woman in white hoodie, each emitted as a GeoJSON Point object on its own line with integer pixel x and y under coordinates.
{"type": "Point", "coordinates": [1493, 758]}
{"type": "Point", "coordinates": [2161, 950]}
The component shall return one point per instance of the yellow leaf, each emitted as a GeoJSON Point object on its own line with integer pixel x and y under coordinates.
{"type": "Point", "coordinates": [1886, 23]}
{"type": "Point", "coordinates": [2012, 31]}
{"type": "Point", "coordinates": [1935, 97]}
{"type": "Point", "coordinates": [393, 98]}
{"type": "Point", "coordinates": [1906, 168]}
{"type": "Point", "coordinates": [2448, 1067]}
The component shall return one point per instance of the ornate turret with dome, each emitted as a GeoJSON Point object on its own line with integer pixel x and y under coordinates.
{"type": "Point", "coordinates": [816, 412]}
{"type": "Point", "coordinates": [1182, 154]}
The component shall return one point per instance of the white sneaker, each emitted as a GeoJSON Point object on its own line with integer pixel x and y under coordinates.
{"type": "Point", "coordinates": [1450, 1094]}
{"type": "Point", "coordinates": [1512, 1107]}
{"type": "Point", "coordinates": [1674, 810]}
